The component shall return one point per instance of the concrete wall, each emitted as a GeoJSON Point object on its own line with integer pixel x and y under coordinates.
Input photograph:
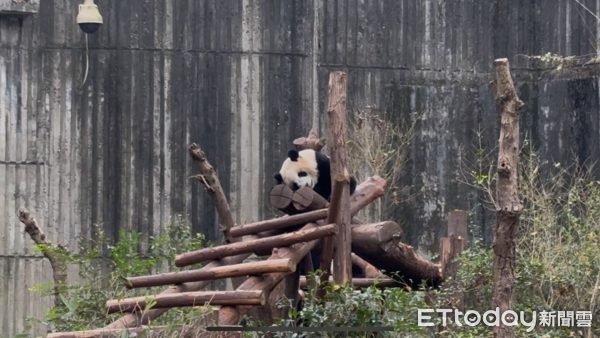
{"type": "Point", "coordinates": [243, 79]}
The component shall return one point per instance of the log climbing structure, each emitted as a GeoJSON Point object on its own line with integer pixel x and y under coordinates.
{"type": "Point", "coordinates": [310, 222]}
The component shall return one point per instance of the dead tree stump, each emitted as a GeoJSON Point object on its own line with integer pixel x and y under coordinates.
{"type": "Point", "coordinates": [508, 204]}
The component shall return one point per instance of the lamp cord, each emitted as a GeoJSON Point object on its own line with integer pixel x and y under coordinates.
{"type": "Point", "coordinates": [87, 61]}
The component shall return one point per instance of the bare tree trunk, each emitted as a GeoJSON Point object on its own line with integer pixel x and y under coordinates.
{"type": "Point", "coordinates": [508, 204]}
{"type": "Point", "coordinates": [210, 179]}
{"type": "Point", "coordinates": [53, 253]}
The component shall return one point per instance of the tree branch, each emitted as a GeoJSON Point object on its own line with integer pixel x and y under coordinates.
{"type": "Point", "coordinates": [56, 254]}
{"type": "Point", "coordinates": [209, 178]}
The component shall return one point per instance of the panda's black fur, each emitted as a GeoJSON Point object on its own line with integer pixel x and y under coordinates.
{"type": "Point", "coordinates": [301, 163]}
{"type": "Point", "coordinates": [311, 167]}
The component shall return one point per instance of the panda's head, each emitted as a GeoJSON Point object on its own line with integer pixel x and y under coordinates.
{"type": "Point", "coordinates": [299, 170]}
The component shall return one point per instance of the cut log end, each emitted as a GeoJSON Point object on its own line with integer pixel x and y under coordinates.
{"type": "Point", "coordinates": [306, 199]}
{"type": "Point", "coordinates": [282, 198]}
{"type": "Point", "coordinates": [291, 264]}
{"type": "Point", "coordinates": [345, 177]}
{"type": "Point", "coordinates": [501, 62]}
{"type": "Point", "coordinates": [311, 142]}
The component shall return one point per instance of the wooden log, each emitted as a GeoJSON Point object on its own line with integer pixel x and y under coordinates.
{"type": "Point", "coordinates": [311, 142]}
{"type": "Point", "coordinates": [307, 264]}
{"type": "Point", "coordinates": [366, 193]}
{"type": "Point", "coordinates": [199, 256]}
{"type": "Point", "coordinates": [210, 179]}
{"type": "Point", "coordinates": [306, 199]}
{"type": "Point", "coordinates": [196, 330]}
{"type": "Point", "coordinates": [336, 111]}
{"type": "Point", "coordinates": [147, 331]}
{"type": "Point", "coordinates": [458, 225]}
{"type": "Point", "coordinates": [143, 318]}
{"type": "Point", "coordinates": [379, 244]}
{"type": "Point", "coordinates": [230, 315]}
{"type": "Point", "coordinates": [450, 249]}
{"type": "Point", "coordinates": [508, 204]}
{"type": "Point", "coordinates": [244, 269]}
{"type": "Point", "coordinates": [188, 299]}
{"type": "Point", "coordinates": [286, 289]}
{"type": "Point", "coordinates": [281, 198]}
{"type": "Point", "coordinates": [334, 215]}
{"type": "Point", "coordinates": [279, 223]}
{"type": "Point", "coordinates": [384, 282]}
{"type": "Point", "coordinates": [222, 206]}
{"type": "Point", "coordinates": [368, 269]}
{"type": "Point", "coordinates": [228, 334]}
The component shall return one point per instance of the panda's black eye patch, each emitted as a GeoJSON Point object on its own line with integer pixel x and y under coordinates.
{"type": "Point", "coordinates": [302, 174]}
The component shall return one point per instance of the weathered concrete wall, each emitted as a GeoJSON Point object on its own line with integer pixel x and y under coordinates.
{"type": "Point", "coordinates": [232, 76]}
{"type": "Point", "coordinates": [434, 58]}
{"type": "Point", "coordinates": [244, 78]}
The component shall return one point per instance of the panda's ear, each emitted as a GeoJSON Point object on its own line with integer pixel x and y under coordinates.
{"type": "Point", "coordinates": [278, 178]}
{"type": "Point", "coordinates": [293, 155]}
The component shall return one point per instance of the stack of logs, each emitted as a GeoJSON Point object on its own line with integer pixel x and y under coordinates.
{"type": "Point", "coordinates": [289, 239]}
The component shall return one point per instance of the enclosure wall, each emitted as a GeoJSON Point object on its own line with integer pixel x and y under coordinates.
{"type": "Point", "coordinates": [243, 78]}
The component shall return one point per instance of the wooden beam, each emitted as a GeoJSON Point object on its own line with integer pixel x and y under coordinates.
{"type": "Point", "coordinates": [335, 216]}
{"type": "Point", "coordinates": [379, 244]}
{"type": "Point", "coordinates": [306, 199]}
{"type": "Point", "coordinates": [230, 315]}
{"type": "Point", "coordinates": [368, 269]}
{"type": "Point", "coordinates": [366, 193]}
{"type": "Point", "coordinates": [307, 264]}
{"type": "Point", "coordinates": [287, 239]}
{"type": "Point", "coordinates": [286, 289]}
{"type": "Point", "coordinates": [279, 223]}
{"type": "Point", "coordinates": [384, 282]}
{"type": "Point", "coordinates": [188, 299]}
{"type": "Point", "coordinates": [227, 271]}
{"type": "Point", "coordinates": [336, 111]}
{"type": "Point", "coordinates": [185, 331]}
{"type": "Point", "coordinates": [450, 249]}
{"type": "Point", "coordinates": [457, 225]}
{"type": "Point", "coordinates": [196, 330]}
{"type": "Point", "coordinates": [143, 318]}
{"type": "Point", "coordinates": [508, 204]}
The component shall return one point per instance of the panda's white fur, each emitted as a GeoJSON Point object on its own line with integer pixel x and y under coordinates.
{"type": "Point", "coordinates": [308, 168]}
{"type": "Point", "coordinates": [293, 171]}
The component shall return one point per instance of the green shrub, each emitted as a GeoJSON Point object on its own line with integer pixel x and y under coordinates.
{"type": "Point", "coordinates": [343, 307]}
{"type": "Point", "coordinates": [102, 268]}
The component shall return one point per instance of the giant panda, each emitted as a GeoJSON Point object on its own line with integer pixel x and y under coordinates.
{"type": "Point", "coordinates": [309, 168]}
